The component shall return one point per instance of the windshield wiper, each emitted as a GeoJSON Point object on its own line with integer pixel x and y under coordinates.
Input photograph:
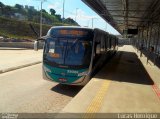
{"type": "Point", "coordinates": [74, 42]}
{"type": "Point", "coordinates": [66, 52]}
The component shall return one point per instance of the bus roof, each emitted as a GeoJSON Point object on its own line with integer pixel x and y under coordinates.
{"type": "Point", "coordinates": [71, 27]}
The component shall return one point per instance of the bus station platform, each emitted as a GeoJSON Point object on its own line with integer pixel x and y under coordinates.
{"type": "Point", "coordinates": [126, 84]}
{"type": "Point", "coordinates": [16, 58]}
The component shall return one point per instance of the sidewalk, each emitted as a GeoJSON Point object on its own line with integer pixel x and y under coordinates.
{"type": "Point", "coordinates": [151, 58]}
{"type": "Point", "coordinates": [16, 58]}
{"type": "Point", "coordinates": [153, 70]}
{"type": "Point", "coordinates": [124, 85]}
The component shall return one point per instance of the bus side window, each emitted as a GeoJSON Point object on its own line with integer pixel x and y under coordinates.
{"type": "Point", "coordinates": [98, 49]}
{"type": "Point", "coordinates": [110, 42]}
{"type": "Point", "coordinates": [106, 41]}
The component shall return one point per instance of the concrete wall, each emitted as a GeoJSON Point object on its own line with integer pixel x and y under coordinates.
{"type": "Point", "coordinates": [29, 45]}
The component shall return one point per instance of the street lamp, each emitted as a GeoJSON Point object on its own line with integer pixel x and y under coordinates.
{"type": "Point", "coordinates": [88, 23]}
{"type": "Point", "coordinates": [41, 21]}
{"type": "Point", "coordinates": [63, 8]}
{"type": "Point", "coordinates": [41, 18]}
{"type": "Point", "coordinates": [76, 15]}
{"type": "Point", "coordinates": [93, 20]}
{"type": "Point", "coordinates": [106, 27]}
{"type": "Point", "coordinates": [40, 34]}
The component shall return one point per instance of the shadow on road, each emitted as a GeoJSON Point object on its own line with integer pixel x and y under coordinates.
{"type": "Point", "coordinates": [68, 90]}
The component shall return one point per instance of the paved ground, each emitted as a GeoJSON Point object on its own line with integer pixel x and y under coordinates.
{"type": "Point", "coordinates": [124, 85]}
{"type": "Point", "coordinates": [24, 90]}
{"type": "Point", "coordinates": [12, 58]}
{"type": "Point", "coordinates": [153, 70]}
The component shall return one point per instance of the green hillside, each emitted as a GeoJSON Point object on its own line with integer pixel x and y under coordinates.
{"type": "Point", "coordinates": [21, 29]}
{"type": "Point", "coordinates": [15, 20]}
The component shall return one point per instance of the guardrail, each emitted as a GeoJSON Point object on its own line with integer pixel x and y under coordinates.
{"type": "Point", "coordinates": [29, 45]}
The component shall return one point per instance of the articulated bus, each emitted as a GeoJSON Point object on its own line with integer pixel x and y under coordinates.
{"type": "Point", "coordinates": [72, 54]}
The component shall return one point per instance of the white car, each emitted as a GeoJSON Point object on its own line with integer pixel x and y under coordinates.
{"type": "Point", "coordinates": [1, 37]}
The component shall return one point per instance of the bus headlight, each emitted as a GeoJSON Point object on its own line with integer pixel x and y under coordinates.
{"type": "Point", "coordinates": [47, 69]}
{"type": "Point", "coordinates": [83, 73]}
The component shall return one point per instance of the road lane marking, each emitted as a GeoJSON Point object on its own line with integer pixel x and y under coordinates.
{"type": "Point", "coordinates": [97, 101]}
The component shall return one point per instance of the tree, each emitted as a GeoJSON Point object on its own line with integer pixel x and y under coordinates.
{"type": "Point", "coordinates": [53, 12]}
{"type": "Point", "coordinates": [7, 10]}
{"type": "Point", "coordinates": [1, 5]}
{"type": "Point", "coordinates": [1, 8]}
{"type": "Point", "coordinates": [69, 20]}
{"type": "Point", "coordinates": [32, 14]}
{"type": "Point", "coordinates": [19, 6]}
{"type": "Point", "coordinates": [44, 11]}
{"type": "Point", "coordinates": [58, 17]}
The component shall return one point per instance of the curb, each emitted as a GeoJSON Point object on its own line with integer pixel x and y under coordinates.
{"type": "Point", "coordinates": [19, 67]}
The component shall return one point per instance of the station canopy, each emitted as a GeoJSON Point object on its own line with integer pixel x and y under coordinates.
{"type": "Point", "coordinates": [126, 14]}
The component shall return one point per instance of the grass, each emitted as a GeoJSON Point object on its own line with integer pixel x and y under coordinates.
{"type": "Point", "coordinates": [21, 30]}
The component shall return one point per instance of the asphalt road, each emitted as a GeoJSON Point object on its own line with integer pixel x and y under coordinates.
{"type": "Point", "coordinates": [24, 91]}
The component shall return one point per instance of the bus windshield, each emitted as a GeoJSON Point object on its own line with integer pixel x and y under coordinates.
{"type": "Point", "coordinates": [68, 51]}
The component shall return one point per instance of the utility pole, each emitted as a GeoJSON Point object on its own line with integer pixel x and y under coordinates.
{"type": "Point", "coordinates": [92, 21]}
{"type": "Point", "coordinates": [76, 15]}
{"type": "Point", "coordinates": [41, 18]}
{"type": "Point", "coordinates": [41, 21]}
{"type": "Point", "coordinates": [88, 23]}
{"type": "Point", "coordinates": [63, 8]}
{"type": "Point", "coordinates": [106, 27]}
{"type": "Point", "coordinates": [40, 33]}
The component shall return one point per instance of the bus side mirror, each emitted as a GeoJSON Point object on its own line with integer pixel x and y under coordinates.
{"type": "Point", "coordinates": [36, 45]}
